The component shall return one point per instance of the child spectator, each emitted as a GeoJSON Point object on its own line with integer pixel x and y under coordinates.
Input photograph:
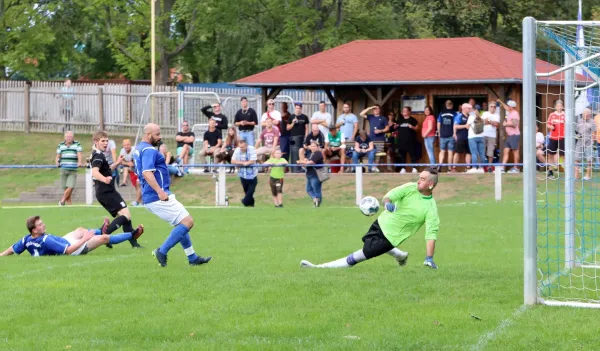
{"type": "Point", "coordinates": [276, 180]}
{"type": "Point", "coordinates": [231, 142]}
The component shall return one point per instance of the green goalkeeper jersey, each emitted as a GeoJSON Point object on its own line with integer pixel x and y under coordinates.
{"type": "Point", "coordinates": [412, 210]}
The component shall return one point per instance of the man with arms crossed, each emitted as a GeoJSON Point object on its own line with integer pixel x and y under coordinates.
{"type": "Point", "coordinates": [154, 177]}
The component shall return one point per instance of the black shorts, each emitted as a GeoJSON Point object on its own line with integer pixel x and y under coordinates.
{"type": "Point", "coordinates": [112, 202]}
{"type": "Point", "coordinates": [555, 146]}
{"type": "Point", "coordinates": [375, 243]}
{"type": "Point", "coordinates": [276, 186]}
{"type": "Point", "coordinates": [462, 146]}
{"type": "Point", "coordinates": [332, 153]}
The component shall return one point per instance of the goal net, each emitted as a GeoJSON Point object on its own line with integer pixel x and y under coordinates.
{"type": "Point", "coordinates": [561, 70]}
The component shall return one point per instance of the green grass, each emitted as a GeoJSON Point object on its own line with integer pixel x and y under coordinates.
{"type": "Point", "coordinates": [254, 296]}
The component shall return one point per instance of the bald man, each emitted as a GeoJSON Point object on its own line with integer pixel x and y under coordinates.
{"type": "Point", "coordinates": [68, 159]}
{"type": "Point", "coordinates": [152, 171]}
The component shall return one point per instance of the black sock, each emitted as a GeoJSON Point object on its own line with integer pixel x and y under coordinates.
{"type": "Point", "coordinates": [116, 223]}
{"type": "Point", "coordinates": [128, 228]}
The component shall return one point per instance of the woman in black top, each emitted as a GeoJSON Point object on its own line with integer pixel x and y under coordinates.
{"type": "Point", "coordinates": [231, 142]}
{"type": "Point", "coordinates": [313, 184]}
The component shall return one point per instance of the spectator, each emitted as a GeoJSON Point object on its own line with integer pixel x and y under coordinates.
{"type": "Point", "coordinates": [391, 138]}
{"type": "Point", "coordinates": [127, 164]}
{"type": "Point", "coordinates": [313, 183]}
{"type": "Point", "coordinates": [540, 146]}
{"type": "Point", "coordinates": [445, 125]}
{"type": "Point", "coordinates": [511, 125]}
{"type": "Point", "coordinates": [185, 143]}
{"type": "Point", "coordinates": [212, 142]}
{"type": "Point", "coordinates": [246, 119]}
{"type": "Point", "coordinates": [315, 136]}
{"type": "Point", "coordinates": [269, 138]}
{"type": "Point", "coordinates": [322, 118]}
{"type": "Point", "coordinates": [474, 106]}
{"type": "Point", "coordinates": [363, 146]}
{"type": "Point", "coordinates": [428, 133]}
{"type": "Point", "coordinates": [214, 112]}
{"type": "Point", "coordinates": [348, 124]}
{"type": "Point", "coordinates": [170, 161]}
{"type": "Point", "coordinates": [284, 139]}
{"type": "Point", "coordinates": [475, 126]}
{"type": "Point", "coordinates": [407, 135]}
{"type": "Point", "coordinates": [276, 179]}
{"type": "Point", "coordinates": [586, 129]}
{"type": "Point", "coordinates": [492, 120]}
{"type": "Point", "coordinates": [111, 155]}
{"type": "Point", "coordinates": [68, 159]}
{"type": "Point", "coordinates": [231, 143]}
{"type": "Point", "coordinates": [335, 145]}
{"type": "Point", "coordinates": [245, 157]}
{"type": "Point", "coordinates": [484, 106]}
{"type": "Point", "coordinates": [271, 114]}
{"type": "Point", "coordinates": [378, 124]}
{"type": "Point", "coordinates": [67, 98]}
{"type": "Point", "coordinates": [461, 134]}
{"type": "Point", "coordinates": [298, 127]}
{"type": "Point", "coordinates": [597, 139]}
{"type": "Point", "coordinates": [556, 127]}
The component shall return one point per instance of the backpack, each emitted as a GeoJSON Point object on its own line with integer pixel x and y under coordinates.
{"type": "Point", "coordinates": [478, 125]}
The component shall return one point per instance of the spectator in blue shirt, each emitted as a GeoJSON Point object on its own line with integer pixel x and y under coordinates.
{"type": "Point", "coordinates": [378, 124]}
{"type": "Point", "coordinates": [245, 157]}
{"type": "Point", "coordinates": [348, 124]}
{"type": "Point", "coordinates": [445, 126]}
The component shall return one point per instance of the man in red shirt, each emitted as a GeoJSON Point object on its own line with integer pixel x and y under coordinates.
{"type": "Point", "coordinates": [556, 130]}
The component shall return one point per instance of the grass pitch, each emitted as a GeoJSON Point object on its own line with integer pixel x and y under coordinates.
{"type": "Point", "coordinates": [254, 295]}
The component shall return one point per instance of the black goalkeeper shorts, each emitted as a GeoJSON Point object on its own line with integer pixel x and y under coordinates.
{"type": "Point", "coordinates": [375, 243]}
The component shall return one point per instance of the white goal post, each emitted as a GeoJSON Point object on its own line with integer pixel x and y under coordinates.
{"type": "Point", "coordinates": [561, 62]}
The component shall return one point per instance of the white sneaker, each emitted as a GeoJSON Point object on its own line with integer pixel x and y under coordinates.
{"type": "Point", "coordinates": [61, 204]}
{"type": "Point", "coordinates": [414, 170]}
{"type": "Point", "coordinates": [135, 203]}
{"type": "Point", "coordinates": [472, 170]}
{"type": "Point", "coordinates": [480, 170]}
{"type": "Point", "coordinates": [514, 170]}
{"type": "Point", "coordinates": [306, 264]}
{"type": "Point", "coordinates": [587, 178]}
{"type": "Point", "coordinates": [403, 171]}
{"type": "Point", "coordinates": [375, 170]}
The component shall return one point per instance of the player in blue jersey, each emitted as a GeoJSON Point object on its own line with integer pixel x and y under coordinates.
{"type": "Point", "coordinates": [78, 242]}
{"type": "Point", "coordinates": [155, 180]}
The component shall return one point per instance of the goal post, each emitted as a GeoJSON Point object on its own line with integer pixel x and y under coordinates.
{"type": "Point", "coordinates": [561, 62]}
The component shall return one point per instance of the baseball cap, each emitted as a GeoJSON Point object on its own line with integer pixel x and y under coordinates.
{"type": "Point", "coordinates": [511, 103]}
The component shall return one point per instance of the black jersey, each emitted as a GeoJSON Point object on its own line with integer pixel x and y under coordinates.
{"type": "Point", "coordinates": [99, 161]}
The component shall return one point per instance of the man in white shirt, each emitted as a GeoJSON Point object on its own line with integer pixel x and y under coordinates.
{"type": "Point", "coordinates": [271, 114]}
{"type": "Point", "coordinates": [322, 118]}
{"type": "Point", "coordinates": [491, 119]}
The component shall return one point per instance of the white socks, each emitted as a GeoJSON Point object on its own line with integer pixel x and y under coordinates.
{"type": "Point", "coordinates": [398, 254]}
{"type": "Point", "coordinates": [351, 260]}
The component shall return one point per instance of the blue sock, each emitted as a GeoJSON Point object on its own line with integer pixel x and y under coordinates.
{"type": "Point", "coordinates": [119, 238]}
{"type": "Point", "coordinates": [97, 231]}
{"type": "Point", "coordinates": [176, 235]}
{"type": "Point", "coordinates": [186, 243]}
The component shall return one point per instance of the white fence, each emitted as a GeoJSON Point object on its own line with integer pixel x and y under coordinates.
{"type": "Point", "coordinates": [50, 107]}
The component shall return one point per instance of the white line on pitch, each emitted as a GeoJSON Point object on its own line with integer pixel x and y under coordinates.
{"type": "Point", "coordinates": [504, 324]}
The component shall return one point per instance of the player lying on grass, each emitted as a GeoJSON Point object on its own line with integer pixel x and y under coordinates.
{"type": "Point", "coordinates": [407, 208]}
{"type": "Point", "coordinates": [78, 242]}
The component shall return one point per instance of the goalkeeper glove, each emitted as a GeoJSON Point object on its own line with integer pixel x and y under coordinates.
{"type": "Point", "coordinates": [429, 263]}
{"type": "Point", "coordinates": [390, 207]}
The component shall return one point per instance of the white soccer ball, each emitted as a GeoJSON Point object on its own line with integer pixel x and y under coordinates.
{"type": "Point", "coordinates": [369, 206]}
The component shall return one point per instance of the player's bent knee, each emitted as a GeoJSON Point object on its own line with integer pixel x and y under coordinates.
{"type": "Point", "coordinates": [188, 222]}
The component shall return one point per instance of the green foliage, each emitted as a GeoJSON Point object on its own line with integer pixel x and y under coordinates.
{"type": "Point", "coordinates": [223, 40]}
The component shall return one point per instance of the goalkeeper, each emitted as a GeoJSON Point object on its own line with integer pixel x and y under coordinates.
{"type": "Point", "coordinates": [407, 207]}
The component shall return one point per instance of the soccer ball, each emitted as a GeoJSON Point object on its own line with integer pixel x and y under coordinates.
{"type": "Point", "coordinates": [369, 206]}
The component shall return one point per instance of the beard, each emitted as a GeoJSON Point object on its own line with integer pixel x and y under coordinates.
{"type": "Point", "coordinates": [154, 142]}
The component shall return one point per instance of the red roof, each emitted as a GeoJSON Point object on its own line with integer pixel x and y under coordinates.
{"type": "Point", "coordinates": [402, 61]}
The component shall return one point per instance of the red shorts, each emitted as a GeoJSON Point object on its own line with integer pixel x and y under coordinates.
{"type": "Point", "coordinates": [133, 177]}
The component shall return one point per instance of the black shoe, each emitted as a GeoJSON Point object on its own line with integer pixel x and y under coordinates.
{"type": "Point", "coordinates": [206, 170]}
{"type": "Point", "coordinates": [200, 260]}
{"type": "Point", "coordinates": [135, 244]}
{"type": "Point", "coordinates": [162, 259]}
{"type": "Point", "coordinates": [109, 246]}
{"type": "Point", "coordinates": [280, 206]}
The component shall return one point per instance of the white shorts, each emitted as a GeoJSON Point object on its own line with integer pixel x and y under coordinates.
{"type": "Point", "coordinates": [171, 211]}
{"type": "Point", "coordinates": [73, 240]}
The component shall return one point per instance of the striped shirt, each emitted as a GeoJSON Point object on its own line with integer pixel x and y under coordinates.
{"type": "Point", "coordinates": [68, 154]}
{"type": "Point", "coordinates": [248, 155]}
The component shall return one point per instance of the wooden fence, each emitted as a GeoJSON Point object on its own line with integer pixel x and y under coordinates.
{"type": "Point", "coordinates": [51, 107]}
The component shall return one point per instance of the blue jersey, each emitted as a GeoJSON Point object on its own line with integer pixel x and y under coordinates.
{"type": "Point", "coordinates": [460, 119]}
{"type": "Point", "coordinates": [45, 245]}
{"type": "Point", "coordinates": [148, 159]}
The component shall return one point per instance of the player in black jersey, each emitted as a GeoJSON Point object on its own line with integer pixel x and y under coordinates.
{"type": "Point", "coordinates": [106, 194]}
